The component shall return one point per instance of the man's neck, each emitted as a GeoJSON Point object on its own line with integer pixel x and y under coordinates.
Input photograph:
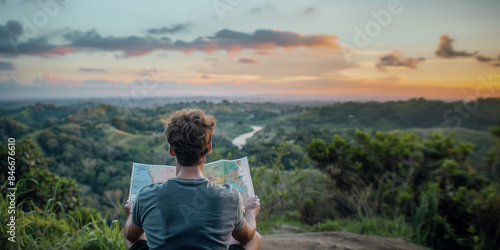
{"type": "Point", "coordinates": [190, 172]}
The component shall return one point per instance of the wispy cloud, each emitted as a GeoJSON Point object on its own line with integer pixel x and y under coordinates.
{"type": "Point", "coordinates": [12, 43]}
{"type": "Point", "coordinates": [263, 52]}
{"type": "Point", "coordinates": [224, 40]}
{"type": "Point", "coordinates": [131, 46]}
{"type": "Point", "coordinates": [492, 61]}
{"type": "Point", "coordinates": [166, 30]}
{"type": "Point", "coordinates": [6, 65]}
{"type": "Point", "coordinates": [55, 80]}
{"type": "Point", "coordinates": [482, 58]}
{"type": "Point", "coordinates": [445, 48]}
{"type": "Point", "coordinates": [394, 59]}
{"type": "Point", "coordinates": [233, 41]}
{"type": "Point", "coordinates": [247, 61]}
{"type": "Point", "coordinates": [92, 70]}
{"type": "Point", "coordinates": [256, 10]}
{"type": "Point", "coordinates": [309, 10]}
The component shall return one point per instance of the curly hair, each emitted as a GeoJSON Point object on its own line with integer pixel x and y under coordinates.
{"type": "Point", "coordinates": [189, 132]}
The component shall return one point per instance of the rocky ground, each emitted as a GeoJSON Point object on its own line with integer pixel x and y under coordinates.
{"type": "Point", "coordinates": [332, 240]}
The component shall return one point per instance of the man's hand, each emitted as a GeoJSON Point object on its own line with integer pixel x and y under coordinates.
{"type": "Point", "coordinates": [128, 207]}
{"type": "Point", "coordinates": [131, 232]}
{"type": "Point", "coordinates": [247, 232]}
{"type": "Point", "coordinates": [252, 205]}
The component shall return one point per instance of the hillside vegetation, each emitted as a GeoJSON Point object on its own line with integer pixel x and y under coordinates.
{"type": "Point", "coordinates": [425, 171]}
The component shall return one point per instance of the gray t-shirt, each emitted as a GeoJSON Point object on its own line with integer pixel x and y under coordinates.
{"type": "Point", "coordinates": [188, 214]}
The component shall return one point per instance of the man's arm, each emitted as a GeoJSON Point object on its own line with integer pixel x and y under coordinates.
{"type": "Point", "coordinates": [247, 232]}
{"type": "Point", "coordinates": [131, 231]}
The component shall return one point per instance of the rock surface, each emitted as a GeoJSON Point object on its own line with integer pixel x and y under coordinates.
{"type": "Point", "coordinates": [332, 240]}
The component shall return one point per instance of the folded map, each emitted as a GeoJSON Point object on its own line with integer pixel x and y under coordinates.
{"type": "Point", "coordinates": [233, 172]}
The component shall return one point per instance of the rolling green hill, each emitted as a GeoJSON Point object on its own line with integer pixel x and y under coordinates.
{"type": "Point", "coordinates": [96, 144]}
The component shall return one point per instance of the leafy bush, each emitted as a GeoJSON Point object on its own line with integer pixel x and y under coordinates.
{"type": "Point", "coordinates": [40, 184]}
{"type": "Point", "coordinates": [429, 182]}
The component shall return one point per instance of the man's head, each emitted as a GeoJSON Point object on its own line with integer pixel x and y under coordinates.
{"type": "Point", "coordinates": [189, 133]}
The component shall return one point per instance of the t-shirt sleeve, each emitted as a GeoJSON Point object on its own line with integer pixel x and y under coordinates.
{"type": "Point", "coordinates": [240, 219]}
{"type": "Point", "coordinates": [136, 213]}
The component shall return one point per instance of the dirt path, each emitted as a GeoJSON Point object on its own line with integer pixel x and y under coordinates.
{"type": "Point", "coordinates": [332, 240]}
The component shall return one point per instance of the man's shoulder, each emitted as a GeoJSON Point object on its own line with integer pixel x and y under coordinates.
{"type": "Point", "coordinates": [149, 187]}
{"type": "Point", "coordinates": [229, 188]}
{"type": "Point", "coordinates": [226, 191]}
{"type": "Point", "coordinates": [148, 190]}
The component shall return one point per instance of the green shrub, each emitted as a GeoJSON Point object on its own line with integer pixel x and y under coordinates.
{"type": "Point", "coordinates": [428, 184]}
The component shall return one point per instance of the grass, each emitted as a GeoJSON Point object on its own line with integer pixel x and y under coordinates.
{"type": "Point", "coordinates": [85, 228]}
{"type": "Point", "coordinates": [116, 137]}
{"type": "Point", "coordinates": [379, 226]}
{"type": "Point", "coordinates": [43, 228]}
{"type": "Point", "coordinates": [394, 228]}
{"type": "Point", "coordinates": [122, 138]}
{"type": "Point", "coordinates": [272, 225]}
{"type": "Point", "coordinates": [34, 139]}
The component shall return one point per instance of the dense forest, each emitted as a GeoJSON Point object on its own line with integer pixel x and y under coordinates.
{"type": "Point", "coordinates": [426, 171]}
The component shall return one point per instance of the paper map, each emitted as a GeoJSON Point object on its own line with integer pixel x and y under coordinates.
{"type": "Point", "coordinates": [233, 172]}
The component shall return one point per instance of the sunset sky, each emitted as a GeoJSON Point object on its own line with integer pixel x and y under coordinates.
{"type": "Point", "coordinates": [334, 50]}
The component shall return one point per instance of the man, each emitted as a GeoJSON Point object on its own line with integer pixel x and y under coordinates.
{"type": "Point", "coordinates": [188, 211]}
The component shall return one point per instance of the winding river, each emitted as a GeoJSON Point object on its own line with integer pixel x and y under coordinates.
{"type": "Point", "coordinates": [242, 139]}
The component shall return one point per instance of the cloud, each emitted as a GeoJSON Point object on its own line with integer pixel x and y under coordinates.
{"type": "Point", "coordinates": [165, 30]}
{"type": "Point", "coordinates": [6, 65]}
{"type": "Point", "coordinates": [14, 43]}
{"type": "Point", "coordinates": [11, 27]}
{"type": "Point", "coordinates": [54, 80]}
{"type": "Point", "coordinates": [264, 53]}
{"type": "Point", "coordinates": [131, 46]}
{"type": "Point", "coordinates": [224, 40]}
{"type": "Point", "coordinates": [395, 60]}
{"type": "Point", "coordinates": [151, 72]}
{"type": "Point", "coordinates": [309, 10]}
{"type": "Point", "coordinates": [482, 58]}
{"type": "Point", "coordinates": [445, 48]}
{"type": "Point", "coordinates": [92, 70]}
{"type": "Point", "coordinates": [485, 59]}
{"type": "Point", "coordinates": [256, 10]}
{"type": "Point", "coordinates": [247, 61]}
{"type": "Point", "coordinates": [267, 7]}
{"type": "Point", "coordinates": [10, 84]}
{"type": "Point", "coordinates": [233, 41]}
{"type": "Point", "coordinates": [206, 77]}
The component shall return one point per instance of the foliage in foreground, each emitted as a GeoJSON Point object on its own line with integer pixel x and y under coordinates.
{"type": "Point", "coordinates": [429, 182]}
{"type": "Point", "coordinates": [47, 210]}
{"type": "Point", "coordinates": [41, 185]}
{"type": "Point", "coordinates": [424, 191]}
{"type": "Point", "coordinates": [45, 228]}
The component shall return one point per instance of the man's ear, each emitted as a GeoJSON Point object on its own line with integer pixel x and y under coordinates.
{"type": "Point", "coordinates": [171, 150]}
{"type": "Point", "coordinates": [209, 148]}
